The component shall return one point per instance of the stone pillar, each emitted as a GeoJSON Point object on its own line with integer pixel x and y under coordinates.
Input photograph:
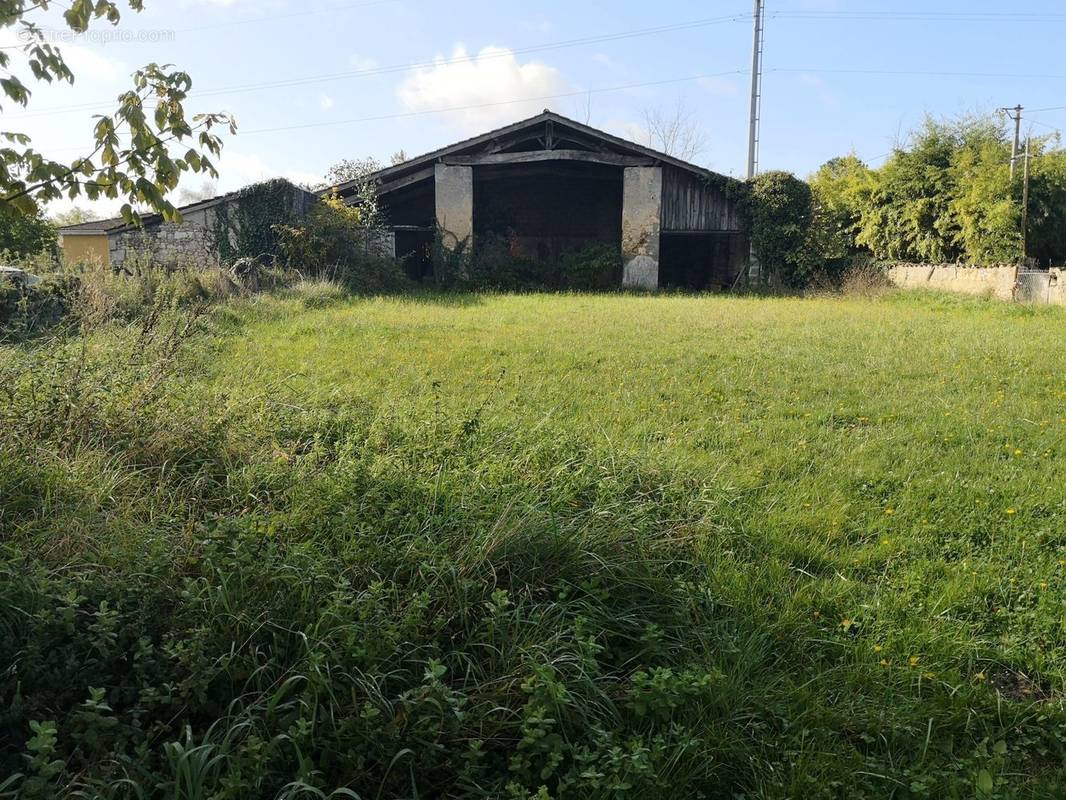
{"type": "Point", "coordinates": [455, 203]}
{"type": "Point", "coordinates": [642, 201]}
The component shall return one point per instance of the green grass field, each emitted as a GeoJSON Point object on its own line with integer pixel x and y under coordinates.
{"type": "Point", "coordinates": [541, 546]}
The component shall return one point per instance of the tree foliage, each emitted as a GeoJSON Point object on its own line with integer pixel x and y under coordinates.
{"type": "Point", "coordinates": [365, 213]}
{"type": "Point", "coordinates": [24, 235]}
{"type": "Point", "coordinates": [74, 216]}
{"type": "Point", "coordinates": [946, 195]}
{"type": "Point", "coordinates": [781, 209]}
{"type": "Point", "coordinates": [140, 150]}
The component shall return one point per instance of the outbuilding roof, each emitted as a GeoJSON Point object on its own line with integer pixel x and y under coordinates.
{"type": "Point", "coordinates": [568, 128]}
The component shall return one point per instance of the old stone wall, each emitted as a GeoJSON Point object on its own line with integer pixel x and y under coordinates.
{"type": "Point", "coordinates": [190, 243]}
{"type": "Point", "coordinates": [999, 282]}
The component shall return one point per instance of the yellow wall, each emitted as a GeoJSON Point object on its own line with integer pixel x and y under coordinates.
{"type": "Point", "coordinates": [86, 249]}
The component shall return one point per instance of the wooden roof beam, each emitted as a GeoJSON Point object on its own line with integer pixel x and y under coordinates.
{"type": "Point", "coordinates": [535, 156]}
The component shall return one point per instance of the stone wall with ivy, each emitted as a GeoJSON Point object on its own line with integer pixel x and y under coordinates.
{"type": "Point", "coordinates": [239, 225]}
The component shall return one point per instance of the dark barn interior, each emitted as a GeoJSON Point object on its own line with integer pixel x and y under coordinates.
{"type": "Point", "coordinates": [701, 261]}
{"type": "Point", "coordinates": [543, 210]}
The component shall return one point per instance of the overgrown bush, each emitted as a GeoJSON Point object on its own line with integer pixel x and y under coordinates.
{"type": "Point", "coordinates": [333, 243]}
{"type": "Point", "coordinates": [944, 195]}
{"type": "Point", "coordinates": [29, 309]}
{"type": "Point", "coordinates": [247, 224]}
{"type": "Point", "coordinates": [497, 263]}
{"type": "Point", "coordinates": [23, 235]}
{"type": "Point", "coordinates": [781, 209]}
{"type": "Point", "coordinates": [89, 296]}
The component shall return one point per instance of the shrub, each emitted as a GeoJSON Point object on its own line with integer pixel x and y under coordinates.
{"type": "Point", "coordinates": [782, 211]}
{"type": "Point", "coordinates": [498, 263]}
{"type": "Point", "coordinates": [29, 309]}
{"type": "Point", "coordinates": [24, 235]}
{"type": "Point", "coordinates": [105, 296]}
{"type": "Point", "coordinates": [332, 243]}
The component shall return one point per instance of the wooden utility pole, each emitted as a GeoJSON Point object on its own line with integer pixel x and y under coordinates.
{"type": "Point", "coordinates": [756, 90]}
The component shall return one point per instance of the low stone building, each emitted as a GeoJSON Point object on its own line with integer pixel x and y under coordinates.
{"type": "Point", "coordinates": [211, 232]}
{"type": "Point", "coordinates": [549, 184]}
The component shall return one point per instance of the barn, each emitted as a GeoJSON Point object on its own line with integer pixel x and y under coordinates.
{"type": "Point", "coordinates": [549, 184]}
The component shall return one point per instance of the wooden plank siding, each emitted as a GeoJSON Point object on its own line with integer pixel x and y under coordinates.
{"type": "Point", "coordinates": [691, 204]}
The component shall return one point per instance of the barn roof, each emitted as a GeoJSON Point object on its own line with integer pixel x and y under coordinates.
{"type": "Point", "coordinates": [493, 141]}
{"type": "Point", "coordinates": [119, 224]}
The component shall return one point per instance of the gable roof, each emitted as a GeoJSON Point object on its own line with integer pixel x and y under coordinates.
{"type": "Point", "coordinates": [119, 224]}
{"type": "Point", "coordinates": [617, 143]}
{"type": "Point", "coordinates": [94, 228]}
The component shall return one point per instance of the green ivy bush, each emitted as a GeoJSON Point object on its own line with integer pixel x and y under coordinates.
{"type": "Point", "coordinates": [781, 210]}
{"type": "Point", "coordinates": [247, 224]}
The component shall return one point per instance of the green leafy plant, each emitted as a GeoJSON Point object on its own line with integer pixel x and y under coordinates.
{"type": "Point", "coordinates": [139, 153]}
{"type": "Point", "coordinates": [781, 210]}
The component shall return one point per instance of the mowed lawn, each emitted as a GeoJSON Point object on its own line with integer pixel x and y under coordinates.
{"type": "Point", "coordinates": [554, 546]}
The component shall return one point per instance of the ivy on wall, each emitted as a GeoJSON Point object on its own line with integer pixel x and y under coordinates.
{"type": "Point", "coordinates": [245, 224]}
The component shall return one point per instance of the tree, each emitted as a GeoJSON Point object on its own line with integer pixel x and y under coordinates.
{"type": "Point", "coordinates": [206, 191]}
{"type": "Point", "coordinates": [674, 132]}
{"type": "Point", "coordinates": [24, 235]}
{"type": "Point", "coordinates": [781, 211]}
{"type": "Point", "coordinates": [1047, 205]}
{"type": "Point", "coordinates": [73, 216]}
{"type": "Point", "coordinates": [367, 214]}
{"type": "Point", "coordinates": [945, 196]}
{"type": "Point", "coordinates": [838, 189]}
{"type": "Point", "coordinates": [141, 149]}
{"type": "Point", "coordinates": [399, 157]}
{"type": "Point", "coordinates": [350, 169]}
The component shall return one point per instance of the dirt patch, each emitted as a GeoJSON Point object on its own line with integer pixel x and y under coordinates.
{"type": "Point", "coordinates": [1018, 686]}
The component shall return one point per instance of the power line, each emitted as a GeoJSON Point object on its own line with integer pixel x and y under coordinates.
{"type": "Point", "coordinates": [918, 73]}
{"type": "Point", "coordinates": [923, 16]}
{"type": "Point", "coordinates": [384, 70]}
{"type": "Point", "coordinates": [474, 106]}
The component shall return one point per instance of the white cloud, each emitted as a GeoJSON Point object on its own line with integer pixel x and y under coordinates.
{"type": "Point", "coordinates": [325, 102]}
{"type": "Point", "coordinates": [362, 63]}
{"type": "Point", "coordinates": [238, 169]}
{"type": "Point", "coordinates": [491, 88]}
{"type": "Point", "coordinates": [92, 65]}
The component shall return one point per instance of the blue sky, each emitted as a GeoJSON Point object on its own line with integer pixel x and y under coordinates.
{"type": "Point", "coordinates": [840, 75]}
